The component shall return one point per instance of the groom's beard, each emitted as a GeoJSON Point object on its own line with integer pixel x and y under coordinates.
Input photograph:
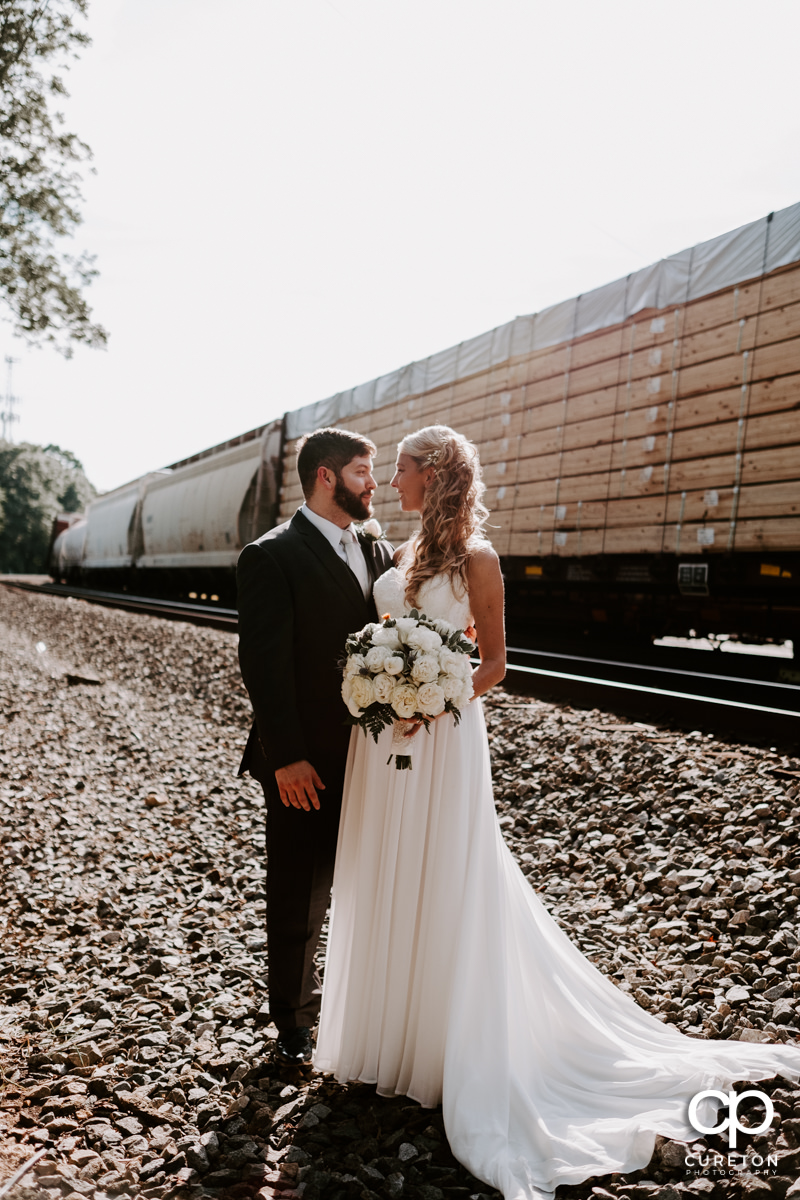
{"type": "Point", "coordinates": [357, 505]}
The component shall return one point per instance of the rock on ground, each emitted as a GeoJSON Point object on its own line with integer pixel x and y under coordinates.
{"type": "Point", "coordinates": [134, 1045]}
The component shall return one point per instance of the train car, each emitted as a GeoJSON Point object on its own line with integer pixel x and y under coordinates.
{"type": "Point", "coordinates": [196, 518]}
{"type": "Point", "coordinates": [69, 547]}
{"type": "Point", "coordinates": [640, 444]}
{"type": "Point", "coordinates": [111, 535]}
{"type": "Point", "coordinates": [178, 532]}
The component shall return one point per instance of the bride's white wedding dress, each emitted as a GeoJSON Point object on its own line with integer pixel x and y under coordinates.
{"type": "Point", "coordinates": [447, 980]}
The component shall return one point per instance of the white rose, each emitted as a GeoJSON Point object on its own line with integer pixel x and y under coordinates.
{"type": "Point", "coordinates": [362, 691]}
{"type": "Point", "coordinates": [430, 698]}
{"type": "Point", "coordinates": [464, 667]}
{"type": "Point", "coordinates": [466, 693]}
{"type": "Point", "coordinates": [386, 637]}
{"type": "Point", "coordinates": [424, 639]}
{"type": "Point", "coordinates": [461, 667]}
{"type": "Point", "coordinates": [384, 687]}
{"type": "Point", "coordinates": [451, 687]}
{"type": "Point", "coordinates": [376, 656]}
{"type": "Point", "coordinates": [405, 626]}
{"type": "Point", "coordinates": [354, 664]}
{"type": "Point", "coordinates": [394, 665]}
{"type": "Point", "coordinates": [372, 528]}
{"type": "Point", "coordinates": [404, 700]}
{"type": "Point", "coordinates": [450, 661]}
{"type": "Point", "coordinates": [347, 688]}
{"type": "Point", "coordinates": [425, 668]}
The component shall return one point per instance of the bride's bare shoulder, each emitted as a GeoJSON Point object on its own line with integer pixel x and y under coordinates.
{"type": "Point", "coordinates": [482, 555]}
{"type": "Point", "coordinates": [481, 549]}
{"type": "Point", "coordinates": [484, 565]}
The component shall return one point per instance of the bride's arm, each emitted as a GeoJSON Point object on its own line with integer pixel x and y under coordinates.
{"type": "Point", "coordinates": [485, 583]}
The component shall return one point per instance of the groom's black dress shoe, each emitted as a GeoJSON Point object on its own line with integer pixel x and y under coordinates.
{"type": "Point", "coordinates": [294, 1045]}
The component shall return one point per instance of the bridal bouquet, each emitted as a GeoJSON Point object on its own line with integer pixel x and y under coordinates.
{"type": "Point", "coordinates": [406, 669]}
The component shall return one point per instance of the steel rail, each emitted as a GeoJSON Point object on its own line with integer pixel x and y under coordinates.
{"type": "Point", "coordinates": [790, 688]}
{"type": "Point", "coordinates": [596, 681]}
{"type": "Point", "coordinates": [227, 618]}
{"type": "Point", "coordinates": [729, 691]}
{"type": "Point", "coordinates": [174, 608]}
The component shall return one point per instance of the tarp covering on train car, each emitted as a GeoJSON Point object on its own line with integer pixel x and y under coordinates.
{"type": "Point", "coordinates": [744, 253]}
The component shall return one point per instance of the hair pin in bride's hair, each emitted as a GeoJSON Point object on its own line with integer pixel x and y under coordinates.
{"type": "Point", "coordinates": [433, 458]}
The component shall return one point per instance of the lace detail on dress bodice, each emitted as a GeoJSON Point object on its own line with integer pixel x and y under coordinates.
{"type": "Point", "coordinates": [437, 598]}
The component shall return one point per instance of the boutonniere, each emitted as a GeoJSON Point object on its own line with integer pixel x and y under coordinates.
{"type": "Point", "coordinates": [371, 530]}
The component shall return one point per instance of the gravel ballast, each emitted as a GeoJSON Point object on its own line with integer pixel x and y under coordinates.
{"type": "Point", "coordinates": [134, 1042]}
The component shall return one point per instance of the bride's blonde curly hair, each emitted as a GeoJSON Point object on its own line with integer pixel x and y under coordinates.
{"type": "Point", "coordinates": [453, 516]}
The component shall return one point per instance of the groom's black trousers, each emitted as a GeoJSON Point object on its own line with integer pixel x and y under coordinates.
{"type": "Point", "coordinates": [301, 849]}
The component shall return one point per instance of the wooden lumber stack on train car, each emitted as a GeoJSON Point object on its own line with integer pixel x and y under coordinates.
{"type": "Point", "coordinates": [673, 431]}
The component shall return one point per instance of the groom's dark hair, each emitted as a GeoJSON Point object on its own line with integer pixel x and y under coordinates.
{"type": "Point", "coordinates": [331, 448]}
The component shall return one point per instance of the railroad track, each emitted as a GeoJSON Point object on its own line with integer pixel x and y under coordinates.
{"type": "Point", "coordinates": [725, 691]}
{"type": "Point", "coordinates": [731, 708]}
{"type": "Point", "coordinates": [699, 697]}
{"type": "Point", "coordinates": [176, 610]}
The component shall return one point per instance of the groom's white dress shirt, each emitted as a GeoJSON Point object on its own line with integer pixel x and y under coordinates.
{"type": "Point", "coordinates": [349, 549]}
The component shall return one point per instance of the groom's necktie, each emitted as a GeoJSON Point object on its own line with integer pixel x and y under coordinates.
{"type": "Point", "coordinates": [355, 560]}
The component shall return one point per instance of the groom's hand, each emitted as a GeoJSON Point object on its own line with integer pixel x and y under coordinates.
{"type": "Point", "coordinates": [297, 784]}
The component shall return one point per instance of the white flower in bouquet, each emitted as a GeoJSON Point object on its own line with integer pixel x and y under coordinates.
{"type": "Point", "coordinates": [404, 700]}
{"type": "Point", "coordinates": [425, 668]}
{"type": "Point", "coordinates": [424, 639]}
{"type": "Point", "coordinates": [384, 687]}
{"type": "Point", "coordinates": [465, 668]}
{"type": "Point", "coordinates": [394, 665]}
{"type": "Point", "coordinates": [450, 662]}
{"type": "Point", "coordinates": [354, 665]}
{"type": "Point", "coordinates": [405, 626]}
{"type": "Point", "coordinates": [376, 657]}
{"type": "Point", "coordinates": [431, 699]}
{"type": "Point", "coordinates": [452, 687]}
{"type": "Point", "coordinates": [347, 696]}
{"type": "Point", "coordinates": [362, 690]}
{"type": "Point", "coordinates": [386, 637]}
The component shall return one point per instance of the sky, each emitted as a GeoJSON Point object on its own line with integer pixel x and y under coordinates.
{"type": "Point", "coordinates": [295, 196]}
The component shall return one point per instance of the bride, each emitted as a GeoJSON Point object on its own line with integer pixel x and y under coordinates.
{"type": "Point", "coordinates": [446, 980]}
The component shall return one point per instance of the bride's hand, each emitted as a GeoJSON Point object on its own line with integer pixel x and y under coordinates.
{"type": "Point", "coordinates": [415, 724]}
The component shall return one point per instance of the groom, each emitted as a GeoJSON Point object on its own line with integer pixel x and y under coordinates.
{"type": "Point", "coordinates": [302, 588]}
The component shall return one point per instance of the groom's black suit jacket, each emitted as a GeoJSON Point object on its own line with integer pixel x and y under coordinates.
{"type": "Point", "coordinates": [298, 601]}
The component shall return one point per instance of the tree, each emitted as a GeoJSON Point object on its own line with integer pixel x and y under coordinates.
{"type": "Point", "coordinates": [38, 482]}
{"type": "Point", "coordinates": [39, 192]}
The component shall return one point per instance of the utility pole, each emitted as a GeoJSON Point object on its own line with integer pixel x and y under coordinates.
{"type": "Point", "coordinates": [7, 414]}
